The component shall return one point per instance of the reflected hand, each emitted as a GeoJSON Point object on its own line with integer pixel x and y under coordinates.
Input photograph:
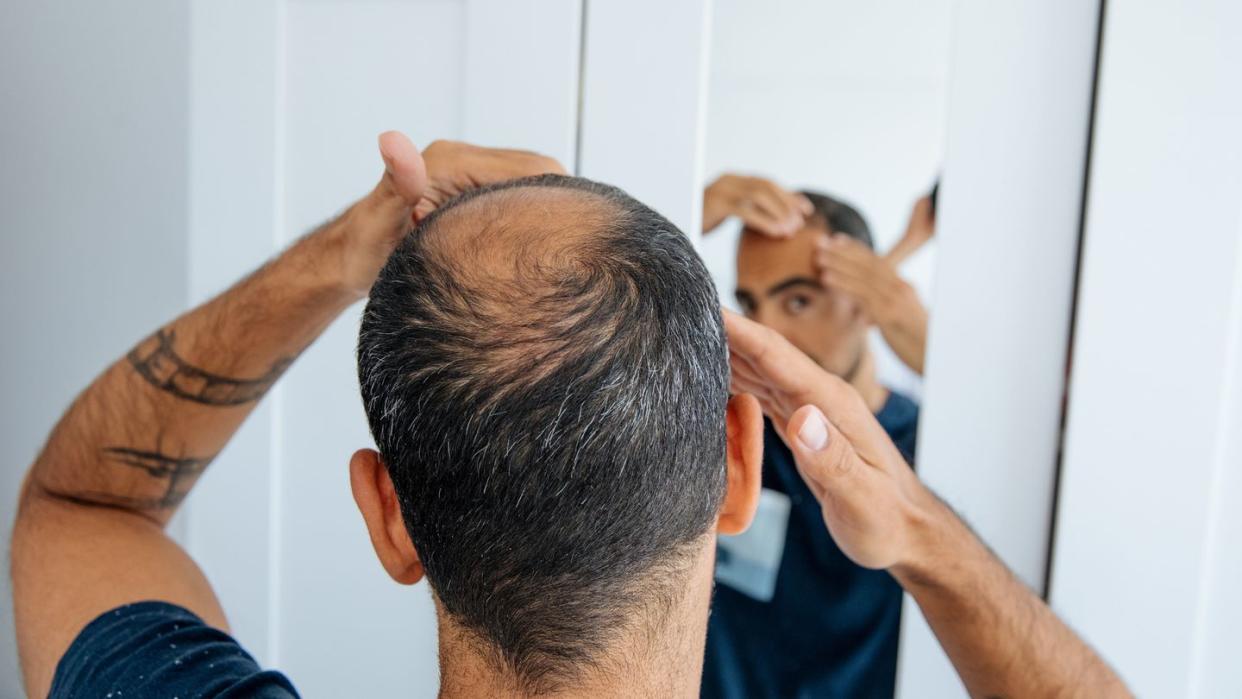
{"type": "Point", "coordinates": [871, 500]}
{"type": "Point", "coordinates": [413, 185]}
{"type": "Point", "coordinates": [846, 265]}
{"type": "Point", "coordinates": [919, 230]}
{"type": "Point", "coordinates": [454, 167]}
{"type": "Point", "coordinates": [761, 204]}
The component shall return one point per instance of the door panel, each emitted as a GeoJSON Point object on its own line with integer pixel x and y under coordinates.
{"type": "Point", "coordinates": [285, 115]}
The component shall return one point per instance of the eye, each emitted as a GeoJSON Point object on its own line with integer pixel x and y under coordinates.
{"type": "Point", "coordinates": [746, 304]}
{"type": "Point", "coordinates": [797, 303]}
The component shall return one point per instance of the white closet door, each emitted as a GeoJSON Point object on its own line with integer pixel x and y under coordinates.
{"type": "Point", "coordinates": [643, 100]}
{"type": "Point", "coordinates": [1020, 85]}
{"type": "Point", "coordinates": [287, 98]}
{"type": "Point", "coordinates": [1147, 563]}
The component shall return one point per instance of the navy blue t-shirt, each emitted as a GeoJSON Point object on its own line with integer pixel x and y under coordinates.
{"type": "Point", "coordinates": [830, 628]}
{"type": "Point", "coordinates": [156, 649]}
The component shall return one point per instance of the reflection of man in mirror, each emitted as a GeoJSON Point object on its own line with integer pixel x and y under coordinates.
{"type": "Point", "coordinates": [793, 616]}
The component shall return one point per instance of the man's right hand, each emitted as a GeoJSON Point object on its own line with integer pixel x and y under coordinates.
{"type": "Point", "coordinates": [761, 204]}
{"type": "Point", "coordinates": [1002, 639]}
{"type": "Point", "coordinates": [416, 184]}
{"type": "Point", "coordinates": [873, 504]}
{"type": "Point", "coordinates": [454, 167]}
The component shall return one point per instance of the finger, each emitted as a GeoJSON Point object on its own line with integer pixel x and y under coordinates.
{"type": "Point", "coordinates": [848, 247]}
{"type": "Point", "coordinates": [805, 205]}
{"type": "Point", "coordinates": [825, 458]}
{"type": "Point", "coordinates": [851, 286]}
{"type": "Point", "coordinates": [405, 173]}
{"type": "Point", "coordinates": [837, 249]}
{"type": "Point", "coordinates": [779, 401]}
{"type": "Point", "coordinates": [843, 275]}
{"type": "Point", "coordinates": [454, 167]}
{"type": "Point", "coordinates": [781, 205]}
{"type": "Point", "coordinates": [760, 220]}
{"type": "Point", "coordinates": [423, 209]}
{"type": "Point", "coordinates": [511, 164]}
{"type": "Point", "coordinates": [829, 259]}
{"type": "Point", "coordinates": [765, 353]}
{"type": "Point", "coordinates": [837, 273]}
{"type": "Point", "coordinates": [792, 379]}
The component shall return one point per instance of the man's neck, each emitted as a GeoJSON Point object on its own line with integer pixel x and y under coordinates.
{"type": "Point", "coordinates": [662, 657]}
{"type": "Point", "coordinates": [868, 386]}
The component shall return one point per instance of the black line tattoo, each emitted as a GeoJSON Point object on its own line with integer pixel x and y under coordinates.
{"type": "Point", "coordinates": [179, 471]}
{"type": "Point", "coordinates": [156, 361]}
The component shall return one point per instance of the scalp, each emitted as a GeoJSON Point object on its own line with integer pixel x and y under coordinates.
{"type": "Point", "coordinates": [523, 234]}
{"type": "Point", "coordinates": [544, 370]}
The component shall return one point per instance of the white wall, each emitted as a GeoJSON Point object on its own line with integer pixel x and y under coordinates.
{"type": "Point", "coordinates": [642, 102]}
{"type": "Point", "coordinates": [153, 153]}
{"type": "Point", "coordinates": [844, 97]}
{"type": "Point", "coordinates": [92, 212]}
{"type": "Point", "coordinates": [1147, 560]}
{"type": "Point", "coordinates": [283, 136]}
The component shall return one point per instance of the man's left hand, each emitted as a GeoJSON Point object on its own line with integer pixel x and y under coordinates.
{"type": "Point", "coordinates": [413, 185]}
{"type": "Point", "coordinates": [888, 300]}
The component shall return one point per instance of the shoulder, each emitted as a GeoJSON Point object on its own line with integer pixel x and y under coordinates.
{"type": "Point", "coordinates": [899, 406]}
{"type": "Point", "coordinates": [160, 649]}
{"type": "Point", "coordinates": [900, 419]}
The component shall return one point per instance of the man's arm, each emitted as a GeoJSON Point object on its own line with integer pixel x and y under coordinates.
{"type": "Point", "coordinates": [846, 265]}
{"type": "Point", "coordinates": [89, 534]}
{"type": "Point", "coordinates": [761, 204]}
{"type": "Point", "coordinates": [1002, 639]}
{"type": "Point", "coordinates": [919, 230]}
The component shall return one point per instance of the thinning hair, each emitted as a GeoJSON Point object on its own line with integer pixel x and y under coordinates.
{"type": "Point", "coordinates": [544, 369]}
{"type": "Point", "coordinates": [839, 216]}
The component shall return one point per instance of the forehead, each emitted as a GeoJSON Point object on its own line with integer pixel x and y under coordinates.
{"type": "Point", "coordinates": [763, 260]}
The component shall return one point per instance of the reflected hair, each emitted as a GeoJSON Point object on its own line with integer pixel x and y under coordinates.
{"type": "Point", "coordinates": [840, 217]}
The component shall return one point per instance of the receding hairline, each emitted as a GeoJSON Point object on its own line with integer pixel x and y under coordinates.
{"type": "Point", "coordinates": [505, 229]}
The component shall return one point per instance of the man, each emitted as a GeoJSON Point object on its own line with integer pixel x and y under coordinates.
{"type": "Point", "coordinates": [544, 370]}
{"type": "Point", "coordinates": [805, 620]}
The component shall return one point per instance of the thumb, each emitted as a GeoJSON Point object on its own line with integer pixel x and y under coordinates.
{"type": "Point", "coordinates": [405, 174]}
{"type": "Point", "coordinates": [824, 456]}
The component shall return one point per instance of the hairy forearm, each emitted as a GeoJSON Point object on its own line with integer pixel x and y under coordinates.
{"type": "Point", "coordinates": [1002, 639]}
{"type": "Point", "coordinates": [907, 336]}
{"type": "Point", "coordinates": [140, 435]}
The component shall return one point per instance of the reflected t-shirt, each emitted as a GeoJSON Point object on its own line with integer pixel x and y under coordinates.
{"type": "Point", "coordinates": [830, 627]}
{"type": "Point", "coordinates": [156, 649]}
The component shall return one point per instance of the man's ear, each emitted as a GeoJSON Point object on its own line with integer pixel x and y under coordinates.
{"type": "Point", "coordinates": [744, 455]}
{"type": "Point", "coordinates": [377, 501]}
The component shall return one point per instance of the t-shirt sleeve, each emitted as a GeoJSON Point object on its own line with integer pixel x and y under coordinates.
{"type": "Point", "coordinates": [156, 649]}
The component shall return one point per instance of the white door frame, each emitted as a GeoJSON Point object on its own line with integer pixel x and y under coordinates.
{"type": "Point", "coordinates": [1021, 83]}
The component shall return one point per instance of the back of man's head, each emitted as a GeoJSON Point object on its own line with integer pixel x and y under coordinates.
{"type": "Point", "coordinates": [545, 374]}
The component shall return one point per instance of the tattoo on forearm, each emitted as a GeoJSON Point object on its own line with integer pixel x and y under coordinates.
{"type": "Point", "coordinates": [178, 471]}
{"type": "Point", "coordinates": [156, 361]}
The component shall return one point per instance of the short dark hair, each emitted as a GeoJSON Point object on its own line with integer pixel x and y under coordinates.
{"type": "Point", "coordinates": [555, 438]}
{"type": "Point", "coordinates": [840, 217]}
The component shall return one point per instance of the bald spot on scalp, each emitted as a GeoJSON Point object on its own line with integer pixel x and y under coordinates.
{"type": "Point", "coordinates": [520, 235]}
{"type": "Point", "coordinates": [528, 293]}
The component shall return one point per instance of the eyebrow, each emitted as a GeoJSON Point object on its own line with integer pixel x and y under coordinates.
{"type": "Point", "coordinates": [793, 282]}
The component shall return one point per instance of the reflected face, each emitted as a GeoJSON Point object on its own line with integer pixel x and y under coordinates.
{"type": "Point", "coordinates": [777, 285]}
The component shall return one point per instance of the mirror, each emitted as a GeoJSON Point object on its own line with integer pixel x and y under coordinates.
{"type": "Point", "coordinates": [825, 128]}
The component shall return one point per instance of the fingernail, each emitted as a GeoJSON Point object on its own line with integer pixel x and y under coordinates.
{"type": "Point", "coordinates": [814, 432]}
